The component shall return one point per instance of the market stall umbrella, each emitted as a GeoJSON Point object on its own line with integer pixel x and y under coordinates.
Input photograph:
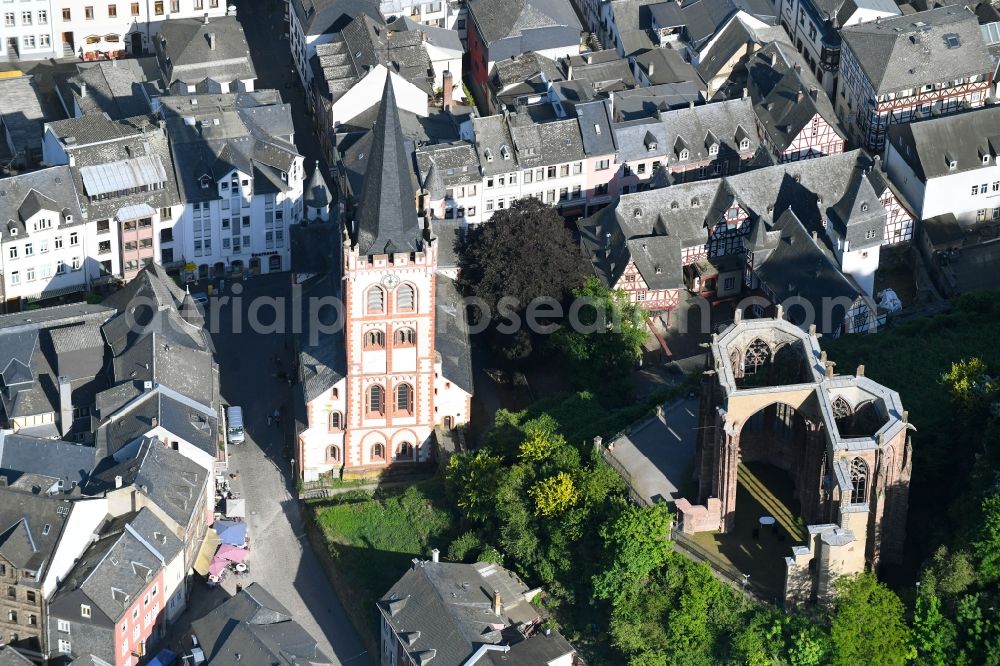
{"type": "Point", "coordinates": [236, 508]}
{"type": "Point", "coordinates": [205, 552]}
{"type": "Point", "coordinates": [232, 553]}
{"type": "Point", "coordinates": [217, 567]}
{"type": "Point", "coordinates": [231, 532]}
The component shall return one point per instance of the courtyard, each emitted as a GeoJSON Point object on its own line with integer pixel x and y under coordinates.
{"type": "Point", "coordinates": [752, 549]}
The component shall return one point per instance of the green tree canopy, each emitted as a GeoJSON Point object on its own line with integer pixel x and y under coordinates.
{"type": "Point", "coordinates": [869, 626]}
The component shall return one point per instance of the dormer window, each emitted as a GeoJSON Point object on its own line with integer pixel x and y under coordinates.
{"type": "Point", "coordinates": [986, 159]}
{"type": "Point", "coordinates": [674, 205]}
{"type": "Point", "coordinates": [204, 181]}
{"type": "Point", "coordinates": [637, 212]}
{"type": "Point", "coordinates": [489, 155]}
{"type": "Point", "coordinates": [713, 149]}
{"type": "Point", "coordinates": [597, 129]}
{"type": "Point", "coordinates": [685, 154]}
{"type": "Point", "coordinates": [745, 144]}
{"type": "Point", "coordinates": [651, 147]}
{"type": "Point", "coordinates": [69, 219]}
{"type": "Point", "coordinates": [505, 152]}
{"type": "Point", "coordinates": [694, 202]}
{"type": "Point", "coordinates": [284, 176]}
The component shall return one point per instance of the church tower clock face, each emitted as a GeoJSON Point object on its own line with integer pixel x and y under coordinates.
{"type": "Point", "coordinates": [390, 281]}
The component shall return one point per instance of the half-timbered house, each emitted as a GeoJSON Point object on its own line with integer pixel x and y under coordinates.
{"type": "Point", "coordinates": [795, 117]}
{"type": "Point", "coordinates": [896, 70]}
{"type": "Point", "coordinates": [653, 245]}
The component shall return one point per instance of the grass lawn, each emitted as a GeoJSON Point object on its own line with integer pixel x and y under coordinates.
{"type": "Point", "coordinates": [372, 539]}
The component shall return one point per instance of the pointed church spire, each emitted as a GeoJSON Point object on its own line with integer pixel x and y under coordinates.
{"type": "Point", "coordinates": [317, 194]}
{"type": "Point", "coordinates": [387, 211]}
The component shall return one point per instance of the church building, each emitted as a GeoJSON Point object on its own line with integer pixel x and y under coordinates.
{"type": "Point", "coordinates": [375, 391]}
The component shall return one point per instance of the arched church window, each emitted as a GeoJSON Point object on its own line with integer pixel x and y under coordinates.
{"type": "Point", "coordinates": [405, 337]}
{"type": "Point", "coordinates": [404, 399]}
{"type": "Point", "coordinates": [336, 421]}
{"type": "Point", "coordinates": [374, 340]}
{"type": "Point", "coordinates": [378, 452]}
{"type": "Point", "coordinates": [333, 454]}
{"type": "Point", "coordinates": [376, 400]}
{"type": "Point", "coordinates": [859, 481]}
{"type": "Point", "coordinates": [405, 451]}
{"type": "Point", "coordinates": [406, 298]}
{"type": "Point", "coordinates": [756, 355]}
{"type": "Point", "coordinates": [376, 300]}
{"type": "Point", "coordinates": [841, 408]}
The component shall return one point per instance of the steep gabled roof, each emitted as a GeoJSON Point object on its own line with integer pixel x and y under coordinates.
{"type": "Point", "coordinates": [386, 215]}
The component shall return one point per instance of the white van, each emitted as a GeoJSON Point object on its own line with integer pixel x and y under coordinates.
{"type": "Point", "coordinates": [234, 416]}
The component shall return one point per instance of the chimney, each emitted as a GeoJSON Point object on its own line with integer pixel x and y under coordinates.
{"type": "Point", "coordinates": [496, 602]}
{"type": "Point", "coordinates": [423, 35]}
{"type": "Point", "coordinates": [118, 481]}
{"type": "Point", "coordinates": [798, 96]}
{"type": "Point", "coordinates": [691, 104]}
{"type": "Point", "coordinates": [861, 371]}
{"type": "Point", "coordinates": [746, 93]}
{"type": "Point", "coordinates": [813, 92]}
{"type": "Point", "coordinates": [774, 59]}
{"type": "Point", "coordinates": [211, 40]}
{"type": "Point", "coordinates": [83, 89]}
{"type": "Point", "coordinates": [65, 406]}
{"type": "Point", "coordinates": [829, 371]}
{"type": "Point", "coordinates": [815, 235]}
{"type": "Point", "coordinates": [878, 163]}
{"type": "Point", "coordinates": [435, 555]}
{"type": "Point", "coordinates": [448, 89]}
{"type": "Point", "coordinates": [652, 68]}
{"type": "Point", "coordinates": [205, 19]}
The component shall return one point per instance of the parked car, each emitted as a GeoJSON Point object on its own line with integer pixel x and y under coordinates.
{"type": "Point", "coordinates": [234, 429]}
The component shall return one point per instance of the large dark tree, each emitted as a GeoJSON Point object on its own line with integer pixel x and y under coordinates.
{"type": "Point", "coordinates": [523, 252]}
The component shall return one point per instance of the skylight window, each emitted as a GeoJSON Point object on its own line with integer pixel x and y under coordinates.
{"type": "Point", "coordinates": [952, 40]}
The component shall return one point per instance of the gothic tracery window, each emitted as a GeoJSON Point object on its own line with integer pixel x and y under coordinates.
{"type": "Point", "coordinates": [756, 355]}
{"type": "Point", "coordinates": [374, 340]}
{"type": "Point", "coordinates": [841, 408]}
{"type": "Point", "coordinates": [859, 481]}
{"type": "Point", "coordinates": [405, 337]}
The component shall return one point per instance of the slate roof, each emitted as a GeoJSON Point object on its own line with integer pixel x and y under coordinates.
{"type": "Point", "coordinates": [725, 123]}
{"type": "Point", "coordinates": [668, 67]}
{"type": "Point", "coordinates": [451, 335]}
{"type": "Point", "coordinates": [906, 52]}
{"type": "Point", "coordinates": [150, 286]}
{"type": "Point", "coordinates": [25, 194]}
{"type": "Point", "coordinates": [603, 71]}
{"type": "Point", "coordinates": [319, 17]}
{"type": "Point", "coordinates": [30, 366]}
{"type": "Point", "coordinates": [184, 418]}
{"type": "Point", "coordinates": [147, 527]}
{"type": "Point", "coordinates": [361, 46]}
{"type": "Point", "coordinates": [55, 459]}
{"type": "Point", "coordinates": [210, 135]}
{"type": "Point", "coordinates": [386, 217]}
{"type": "Point", "coordinates": [442, 38]}
{"type": "Point", "coordinates": [455, 163]}
{"type": "Point", "coordinates": [800, 267]}
{"type": "Point", "coordinates": [687, 211]}
{"type": "Point", "coordinates": [322, 354]}
{"type": "Point", "coordinates": [112, 573]}
{"type": "Point", "coordinates": [500, 19]}
{"type": "Point", "coordinates": [21, 113]}
{"type": "Point", "coordinates": [647, 102]}
{"type": "Point", "coordinates": [703, 19]}
{"type": "Point", "coordinates": [596, 128]}
{"type": "Point", "coordinates": [172, 481]}
{"type": "Point", "coordinates": [141, 142]}
{"type": "Point", "coordinates": [186, 54]}
{"type": "Point", "coordinates": [443, 609]}
{"type": "Point", "coordinates": [317, 193]}
{"type": "Point", "coordinates": [24, 541]}
{"type": "Point", "coordinates": [254, 629]}
{"type": "Point", "coordinates": [119, 88]}
{"type": "Point", "coordinates": [786, 95]}
{"type": "Point", "coordinates": [929, 146]}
